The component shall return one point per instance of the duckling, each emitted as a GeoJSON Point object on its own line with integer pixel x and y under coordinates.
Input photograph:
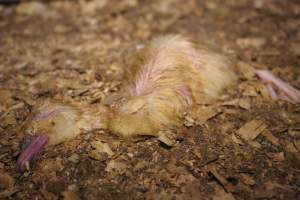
{"type": "Point", "coordinates": [166, 78]}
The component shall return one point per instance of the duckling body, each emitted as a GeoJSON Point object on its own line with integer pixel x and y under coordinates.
{"type": "Point", "coordinates": [167, 77]}
{"type": "Point", "coordinates": [170, 75]}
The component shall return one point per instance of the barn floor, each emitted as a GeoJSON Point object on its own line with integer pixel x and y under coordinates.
{"type": "Point", "coordinates": [245, 146]}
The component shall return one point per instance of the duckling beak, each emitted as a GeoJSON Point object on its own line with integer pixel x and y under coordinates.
{"type": "Point", "coordinates": [32, 151]}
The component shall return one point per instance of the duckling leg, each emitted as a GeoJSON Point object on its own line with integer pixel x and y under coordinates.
{"type": "Point", "coordinates": [285, 91]}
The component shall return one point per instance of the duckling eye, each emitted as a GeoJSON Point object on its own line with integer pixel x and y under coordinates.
{"type": "Point", "coordinates": [52, 123]}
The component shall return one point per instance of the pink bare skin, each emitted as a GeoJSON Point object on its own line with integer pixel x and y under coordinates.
{"type": "Point", "coordinates": [32, 151]}
{"type": "Point", "coordinates": [285, 91]}
{"type": "Point", "coordinates": [185, 92]}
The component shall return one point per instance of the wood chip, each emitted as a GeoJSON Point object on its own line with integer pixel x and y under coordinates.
{"type": "Point", "coordinates": [74, 158]}
{"type": "Point", "coordinates": [245, 104]}
{"type": "Point", "coordinates": [270, 137]}
{"type": "Point", "coordinates": [115, 165]}
{"type": "Point", "coordinates": [278, 157]}
{"type": "Point", "coordinates": [203, 114]}
{"type": "Point", "coordinates": [248, 89]}
{"type": "Point", "coordinates": [189, 121]}
{"type": "Point", "coordinates": [248, 180]}
{"type": "Point", "coordinates": [252, 129]}
{"type": "Point", "coordinates": [254, 42]}
{"type": "Point", "coordinates": [297, 144]}
{"type": "Point", "coordinates": [233, 102]}
{"type": "Point", "coordinates": [167, 137]}
{"type": "Point", "coordinates": [236, 140]}
{"type": "Point", "coordinates": [99, 148]}
{"type": "Point", "coordinates": [222, 180]}
{"type": "Point", "coordinates": [294, 132]}
{"type": "Point", "coordinates": [291, 148]}
{"type": "Point", "coordinates": [246, 70]}
{"type": "Point", "coordinates": [254, 144]}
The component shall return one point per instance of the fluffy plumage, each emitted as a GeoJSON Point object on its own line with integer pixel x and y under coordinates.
{"type": "Point", "coordinates": [171, 75]}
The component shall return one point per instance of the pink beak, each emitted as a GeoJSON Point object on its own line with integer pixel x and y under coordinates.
{"type": "Point", "coordinates": [32, 151]}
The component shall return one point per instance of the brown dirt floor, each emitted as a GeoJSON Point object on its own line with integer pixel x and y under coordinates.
{"type": "Point", "coordinates": [75, 51]}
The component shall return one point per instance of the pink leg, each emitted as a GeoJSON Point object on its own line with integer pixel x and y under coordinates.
{"type": "Point", "coordinates": [276, 96]}
{"type": "Point", "coordinates": [288, 93]}
{"type": "Point", "coordinates": [272, 92]}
